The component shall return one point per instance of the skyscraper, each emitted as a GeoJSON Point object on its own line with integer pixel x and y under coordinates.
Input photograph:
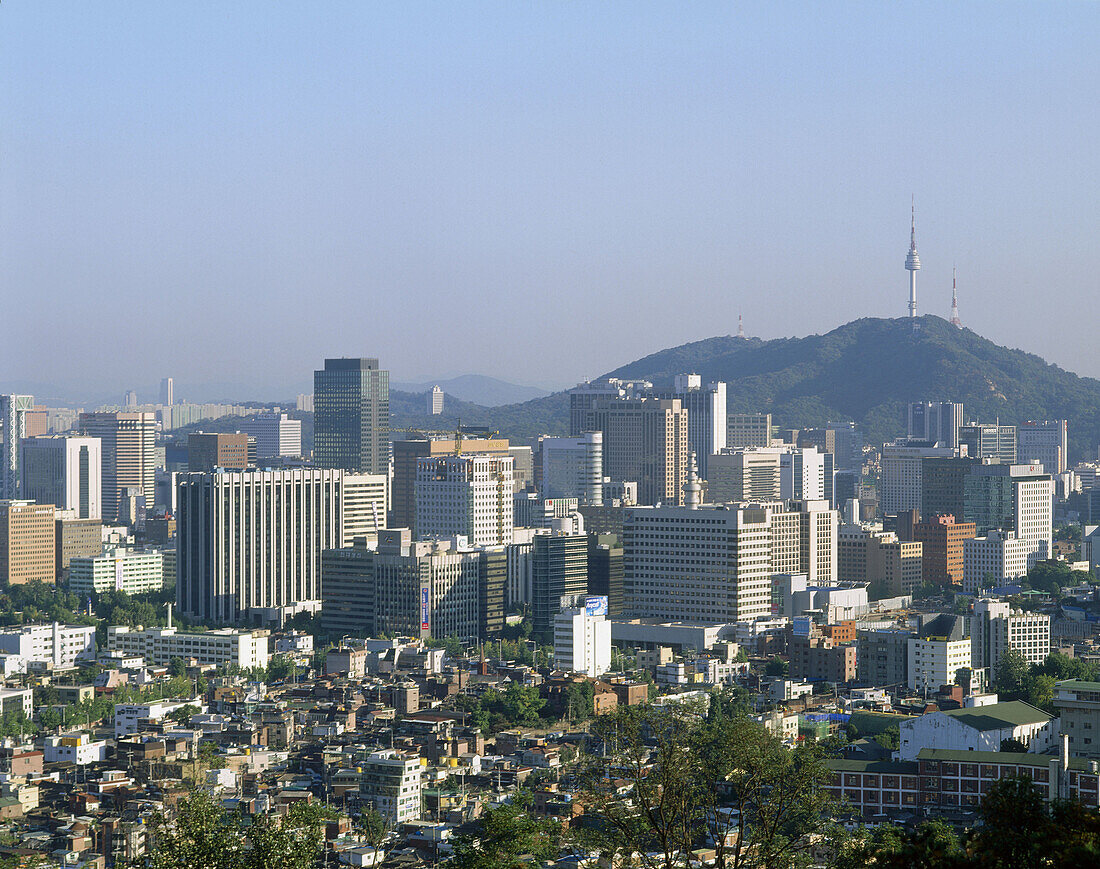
{"type": "Point", "coordinates": [1016, 498]}
{"type": "Point", "coordinates": [351, 423]}
{"type": "Point", "coordinates": [706, 407]}
{"type": "Point", "coordinates": [167, 392]}
{"type": "Point", "coordinates": [744, 430]}
{"type": "Point", "coordinates": [64, 470]}
{"type": "Point", "coordinates": [644, 440]}
{"type": "Point", "coordinates": [27, 546]}
{"type": "Point", "coordinates": [129, 455]}
{"type": "Point", "coordinates": [276, 434]}
{"type": "Point", "coordinates": [573, 468]}
{"type": "Point", "coordinates": [13, 416]}
{"type": "Point", "coordinates": [469, 496]}
{"type": "Point", "coordinates": [989, 441]}
{"type": "Point", "coordinates": [406, 455]}
{"type": "Point", "coordinates": [249, 543]}
{"type": "Point", "coordinates": [559, 567]}
{"type": "Point", "coordinates": [1043, 443]}
{"type": "Point", "coordinates": [936, 421]}
{"type": "Point", "coordinates": [902, 473]}
{"type": "Point", "coordinates": [435, 400]}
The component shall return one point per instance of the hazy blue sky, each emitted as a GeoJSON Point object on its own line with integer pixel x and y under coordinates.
{"type": "Point", "coordinates": [231, 191]}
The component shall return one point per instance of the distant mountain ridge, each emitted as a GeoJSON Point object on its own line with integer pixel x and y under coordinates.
{"type": "Point", "coordinates": [478, 389]}
{"type": "Point", "coordinates": [865, 371]}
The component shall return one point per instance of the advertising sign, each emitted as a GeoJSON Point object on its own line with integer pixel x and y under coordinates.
{"type": "Point", "coordinates": [596, 606]}
{"type": "Point", "coordinates": [424, 608]}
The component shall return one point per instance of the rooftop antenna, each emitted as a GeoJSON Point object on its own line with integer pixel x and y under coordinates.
{"type": "Point", "coordinates": [955, 321]}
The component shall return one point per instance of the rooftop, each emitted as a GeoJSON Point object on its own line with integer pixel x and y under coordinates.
{"type": "Point", "coordinates": [996, 716]}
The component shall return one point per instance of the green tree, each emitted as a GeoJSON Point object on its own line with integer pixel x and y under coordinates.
{"type": "Point", "coordinates": [177, 667]}
{"type": "Point", "coordinates": [579, 700]}
{"type": "Point", "coordinates": [183, 715]}
{"type": "Point", "coordinates": [49, 717]}
{"type": "Point", "coordinates": [698, 773]}
{"type": "Point", "coordinates": [932, 845]}
{"type": "Point", "coordinates": [201, 834]}
{"type": "Point", "coordinates": [280, 669]}
{"type": "Point", "coordinates": [1010, 675]}
{"type": "Point", "coordinates": [765, 804]}
{"type": "Point", "coordinates": [776, 667]}
{"type": "Point", "coordinates": [507, 837]}
{"type": "Point", "coordinates": [1016, 826]}
{"type": "Point", "coordinates": [890, 738]}
{"type": "Point", "coordinates": [372, 825]}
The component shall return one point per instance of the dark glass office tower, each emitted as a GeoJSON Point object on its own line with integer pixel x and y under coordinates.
{"type": "Point", "coordinates": [351, 422]}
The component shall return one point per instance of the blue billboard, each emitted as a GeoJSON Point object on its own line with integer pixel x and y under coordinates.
{"type": "Point", "coordinates": [595, 606]}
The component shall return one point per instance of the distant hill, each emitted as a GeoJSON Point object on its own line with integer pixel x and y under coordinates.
{"type": "Point", "coordinates": [867, 371]}
{"type": "Point", "coordinates": [478, 389]}
{"type": "Point", "coordinates": [547, 415]}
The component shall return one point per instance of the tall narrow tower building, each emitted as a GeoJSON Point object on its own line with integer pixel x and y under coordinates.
{"type": "Point", "coordinates": [351, 405]}
{"type": "Point", "coordinates": [912, 265]}
{"type": "Point", "coordinates": [955, 321]}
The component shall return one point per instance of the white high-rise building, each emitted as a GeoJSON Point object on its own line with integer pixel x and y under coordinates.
{"type": "Point", "coordinates": [249, 543]}
{"type": "Point", "coordinates": [995, 627]}
{"type": "Point", "coordinates": [167, 392]}
{"type": "Point", "coordinates": [573, 468]}
{"type": "Point", "coordinates": [435, 401]}
{"type": "Point", "coordinates": [1016, 498]}
{"type": "Point", "coordinates": [1043, 443]}
{"type": "Point", "coordinates": [364, 507]}
{"type": "Point", "coordinates": [467, 496]}
{"type": "Point", "coordinates": [805, 473]}
{"type": "Point", "coordinates": [934, 661]}
{"type": "Point", "coordinates": [902, 474]}
{"type": "Point", "coordinates": [276, 434]}
{"type": "Point", "coordinates": [582, 635]}
{"type": "Point", "coordinates": [995, 559]}
{"type": "Point", "coordinates": [13, 417]}
{"type": "Point", "coordinates": [66, 471]}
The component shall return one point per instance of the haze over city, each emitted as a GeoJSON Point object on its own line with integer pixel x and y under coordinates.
{"type": "Point", "coordinates": [230, 193]}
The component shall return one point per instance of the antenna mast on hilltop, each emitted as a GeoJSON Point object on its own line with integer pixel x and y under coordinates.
{"type": "Point", "coordinates": [955, 321]}
{"type": "Point", "coordinates": [740, 327]}
{"type": "Point", "coordinates": [912, 262]}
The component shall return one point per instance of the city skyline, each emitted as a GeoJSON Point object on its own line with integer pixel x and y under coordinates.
{"type": "Point", "coordinates": [265, 179]}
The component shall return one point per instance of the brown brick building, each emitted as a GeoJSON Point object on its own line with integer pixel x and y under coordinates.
{"type": "Point", "coordinates": [209, 450]}
{"type": "Point", "coordinates": [943, 538]}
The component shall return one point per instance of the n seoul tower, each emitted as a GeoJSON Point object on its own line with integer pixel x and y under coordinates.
{"type": "Point", "coordinates": [912, 264]}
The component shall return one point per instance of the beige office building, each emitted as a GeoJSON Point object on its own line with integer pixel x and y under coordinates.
{"type": "Point", "coordinates": [645, 440]}
{"type": "Point", "coordinates": [743, 475]}
{"type": "Point", "coordinates": [27, 545]}
{"type": "Point", "coordinates": [129, 455]}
